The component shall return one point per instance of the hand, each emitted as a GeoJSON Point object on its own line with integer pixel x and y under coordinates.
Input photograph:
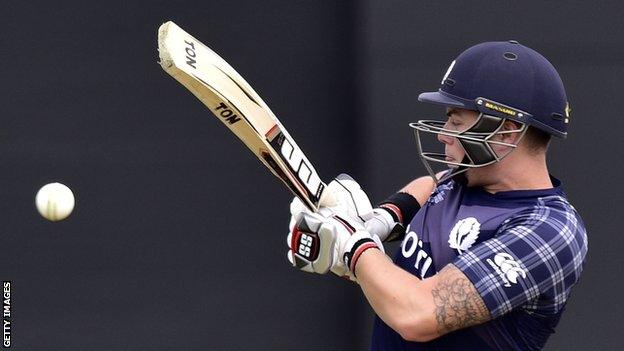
{"type": "Point", "coordinates": [319, 244]}
{"type": "Point", "coordinates": [346, 197]}
{"type": "Point", "coordinates": [380, 223]}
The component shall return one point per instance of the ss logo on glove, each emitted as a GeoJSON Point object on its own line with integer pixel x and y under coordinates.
{"type": "Point", "coordinates": [307, 244]}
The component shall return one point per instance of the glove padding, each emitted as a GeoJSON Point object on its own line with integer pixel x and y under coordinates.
{"type": "Point", "coordinates": [314, 242]}
{"type": "Point", "coordinates": [342, 196]}
{"type": "Point", "coordinates": [346, 197]}
{"type": "Point", "coordinates": [321, 244]}
{"type": "Point", "coordinates": [318, 241]}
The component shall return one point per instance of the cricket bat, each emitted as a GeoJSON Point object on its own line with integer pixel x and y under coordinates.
{"type": "Point", "coordinates": [232, 100]}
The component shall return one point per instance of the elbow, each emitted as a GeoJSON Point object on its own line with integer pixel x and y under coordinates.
{"type": "Point", "coordinates": [417, 330]}
{"type": "Point", "coordinates": [415, 335]}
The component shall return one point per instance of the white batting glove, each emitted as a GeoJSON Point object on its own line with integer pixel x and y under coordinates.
{"type": "Point", "coordinates": [347, 198]}
{"type": "Point", "coordinates": [380, 223]}
{"type": "Point", "coordinates": [319, 244]}
{"type": "Point", "coordinates": [318, 241]}
{"type": "Point", "coordinates": [329, 257]}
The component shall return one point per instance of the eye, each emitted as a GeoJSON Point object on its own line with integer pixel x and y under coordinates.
{"type": "Point", "coordinates": [453, 122]}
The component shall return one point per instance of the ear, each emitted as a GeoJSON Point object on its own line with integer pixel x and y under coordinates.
{"type": "Point", "coordinates": [511, 138]}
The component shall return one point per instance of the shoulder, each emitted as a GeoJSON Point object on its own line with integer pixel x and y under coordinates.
{"type": "Point", "coordinates": [550, 216]}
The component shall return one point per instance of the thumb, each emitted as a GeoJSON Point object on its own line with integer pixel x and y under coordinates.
{"type": "Point", "coordinates": [296, 206]}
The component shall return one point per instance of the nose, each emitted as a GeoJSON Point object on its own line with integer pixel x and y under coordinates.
{"type": "Point", "coordinates": [445, 139]}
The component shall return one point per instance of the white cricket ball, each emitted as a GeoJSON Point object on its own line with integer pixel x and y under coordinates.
{"type": "Point", "coordinates": [55, 201]}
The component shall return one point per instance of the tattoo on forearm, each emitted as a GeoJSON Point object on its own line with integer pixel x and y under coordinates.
{"type": "Point", "coordinates": [457, 303]}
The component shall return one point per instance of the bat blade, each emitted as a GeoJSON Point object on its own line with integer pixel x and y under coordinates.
{"type": "Point", "coordinates": [233, 101]}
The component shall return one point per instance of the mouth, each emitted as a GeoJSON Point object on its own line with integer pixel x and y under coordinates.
{"type": "Point", "coordinates": [449, 159]}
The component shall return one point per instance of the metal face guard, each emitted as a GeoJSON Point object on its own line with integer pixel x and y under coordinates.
{"type": "Point", "coordinates": [476, 142]}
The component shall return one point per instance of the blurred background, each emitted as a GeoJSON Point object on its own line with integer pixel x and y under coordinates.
{"type": "Point", "coordinates": [178, 236]}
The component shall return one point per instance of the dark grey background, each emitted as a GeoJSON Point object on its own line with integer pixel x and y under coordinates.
{"type": "Point", "coordinates": [178, 237]}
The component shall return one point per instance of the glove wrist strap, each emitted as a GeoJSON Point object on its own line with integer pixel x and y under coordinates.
{"type": "Point", "coordinates": [401, 206]}
{"type": "Point", "coordinates": [362, 241]}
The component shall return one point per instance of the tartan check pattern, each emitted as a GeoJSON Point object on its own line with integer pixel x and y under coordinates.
{"type": "Point", "coordinates": [547, 242]}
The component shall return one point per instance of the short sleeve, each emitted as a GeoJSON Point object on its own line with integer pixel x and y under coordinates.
{"type": "Point", "coordinates": [532, 262]}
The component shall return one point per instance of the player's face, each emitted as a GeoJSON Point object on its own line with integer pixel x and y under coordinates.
{"type": "Point", "coordinates": [458, 120]}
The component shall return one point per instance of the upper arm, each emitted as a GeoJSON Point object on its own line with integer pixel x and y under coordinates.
{"type": "Point", "coordinates": [532, 263]}
{"type": "Point", "coordinates": [420, 189]}
{"type": "Point", "coordinates": [450, 302]}
{"type": "Point", "coordinates": [457, 304]}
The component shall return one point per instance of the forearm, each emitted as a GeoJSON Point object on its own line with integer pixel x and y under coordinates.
{"type": "Point", "coordinates": [419, 310]}
{"type": "Point", "coordinates": [396, 296]}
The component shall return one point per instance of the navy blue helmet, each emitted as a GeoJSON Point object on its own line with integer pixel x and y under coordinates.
{"type": "Point", "coordinates": [509, 74]}
{"type": "Point", "coordinates": [502, 81]}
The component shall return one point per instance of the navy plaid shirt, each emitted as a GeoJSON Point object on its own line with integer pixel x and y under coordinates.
{"type": "Point", "coordinates": [522, 250]}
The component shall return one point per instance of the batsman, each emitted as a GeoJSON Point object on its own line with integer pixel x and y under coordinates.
{"type": "Point", "coordinates": [490, 245]}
